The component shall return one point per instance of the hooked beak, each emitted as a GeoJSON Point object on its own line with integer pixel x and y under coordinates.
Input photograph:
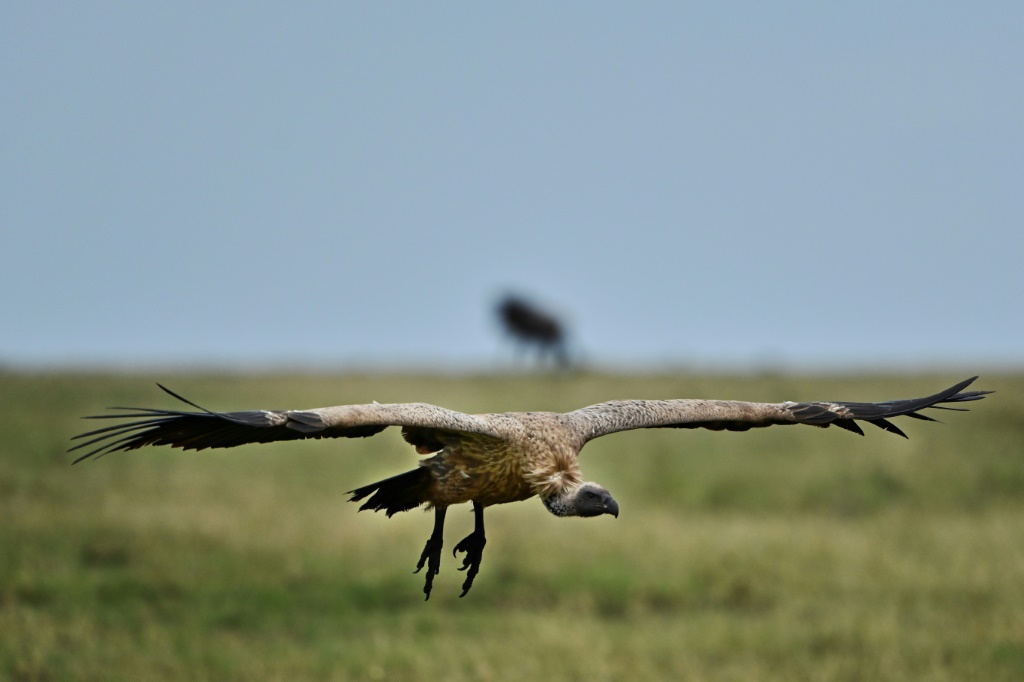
{"type": "Point", "coordinates": [610, 506]}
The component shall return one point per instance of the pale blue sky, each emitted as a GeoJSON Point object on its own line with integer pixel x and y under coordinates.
{"type": "Point", "coordinates": [729, 183]}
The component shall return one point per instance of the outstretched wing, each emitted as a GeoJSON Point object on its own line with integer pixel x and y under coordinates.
{"type": "Point", "coordinates": [623, 415]}
{"type": "Point", "coordinates": [208, 429]}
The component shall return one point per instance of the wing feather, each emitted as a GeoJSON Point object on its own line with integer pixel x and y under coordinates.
{"type": "Point", "coordinates": [208, 429]}
{"type": "Point", "coordinates": [622, 415]}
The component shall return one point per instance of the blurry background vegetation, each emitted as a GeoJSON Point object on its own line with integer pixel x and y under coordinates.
{"type": "Point", "coordinates": [778, 554]}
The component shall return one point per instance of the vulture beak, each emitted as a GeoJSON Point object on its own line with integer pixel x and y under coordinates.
{"type": "Point", "coordinates": [610, 506]}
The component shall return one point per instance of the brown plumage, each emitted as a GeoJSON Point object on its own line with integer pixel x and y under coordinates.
{"type": "Point", "coordinates": [488, 459]}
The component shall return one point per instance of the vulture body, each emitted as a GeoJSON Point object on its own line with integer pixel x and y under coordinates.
{"type": "Point", "coordinates": [488, 459]}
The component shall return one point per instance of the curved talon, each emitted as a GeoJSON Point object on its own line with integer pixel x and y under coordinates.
{"type": "Point", "coordinates": [434, 570]}
{"type": "Point", "coordinates": [473, 546]}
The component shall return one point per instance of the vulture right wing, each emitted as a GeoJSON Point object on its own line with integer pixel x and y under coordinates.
{"type": "Point", "coordinates": [208, 429]}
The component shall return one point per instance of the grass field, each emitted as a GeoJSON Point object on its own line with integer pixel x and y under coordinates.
{"type": "Point", "coordinates": [779, 554]}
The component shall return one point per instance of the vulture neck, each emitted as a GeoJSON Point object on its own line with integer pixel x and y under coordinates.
{"type": "Point", "coordinates": [562, 503]}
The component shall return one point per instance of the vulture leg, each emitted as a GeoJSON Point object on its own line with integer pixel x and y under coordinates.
{"type": "Point", "coordinates": [431, 555]}
{"type": "Point", "coordinates": [473, 546]}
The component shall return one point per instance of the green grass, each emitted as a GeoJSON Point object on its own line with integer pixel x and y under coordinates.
{"type": "Point", "coordinates": [780, 554]}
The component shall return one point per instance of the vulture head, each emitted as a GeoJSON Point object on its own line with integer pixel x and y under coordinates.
{"type": "Point", "coordinates": [586, 499]}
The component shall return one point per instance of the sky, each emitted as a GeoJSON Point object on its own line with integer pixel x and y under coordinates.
{"type": "Point", "coordinates": [348, 185]}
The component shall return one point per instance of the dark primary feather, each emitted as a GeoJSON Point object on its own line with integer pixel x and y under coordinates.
{"type": "Point", "coordinates": [843, 414]}
{"type": "Point", "coordinates": [207, 429]}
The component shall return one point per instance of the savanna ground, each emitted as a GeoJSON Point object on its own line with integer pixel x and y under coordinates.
{"type": "Point", "coordinates": [779, 554]}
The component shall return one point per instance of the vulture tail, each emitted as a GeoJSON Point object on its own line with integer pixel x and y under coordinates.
{"type": "Point", "coordinates": [396, 494]}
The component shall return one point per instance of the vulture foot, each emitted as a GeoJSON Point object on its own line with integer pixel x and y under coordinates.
{"type": "Point", "coordinates": [473, 546]}
{"type": "Point", "coordinates": [431, 555]}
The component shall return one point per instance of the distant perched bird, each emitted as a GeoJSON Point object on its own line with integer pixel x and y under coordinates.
{"type": "Point", "coordinates": [488, 459]}
{"type": "Point", "coordinates": [528, 325]}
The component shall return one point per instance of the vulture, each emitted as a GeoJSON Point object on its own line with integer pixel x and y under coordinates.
{"type": "Point", "coordinates": [487, 459]}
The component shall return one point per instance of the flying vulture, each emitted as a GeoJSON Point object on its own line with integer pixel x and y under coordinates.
{"type": "Point", "coordinates": [488, 459]}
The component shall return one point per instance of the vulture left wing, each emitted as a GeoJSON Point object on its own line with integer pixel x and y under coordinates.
{"type": "Point", "coordinates": [208, 429]}
{"type": "Point", "coordinates": [730, 415]}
